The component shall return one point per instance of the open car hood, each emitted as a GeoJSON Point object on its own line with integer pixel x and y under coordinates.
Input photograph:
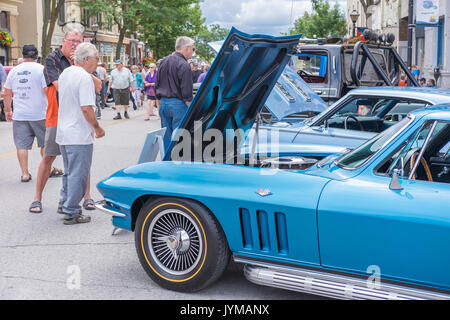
{"type": "Point", "coordinates": [234, 91]}
{"type": "Point", "coordinates": [291, 94]}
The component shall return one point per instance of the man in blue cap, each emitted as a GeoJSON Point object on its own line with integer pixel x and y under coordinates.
{"type": "Point", "coordinates": [120, 82]}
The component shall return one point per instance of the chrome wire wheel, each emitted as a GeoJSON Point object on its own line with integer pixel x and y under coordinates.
{"type": "Point", "coordinates": [175, 242]}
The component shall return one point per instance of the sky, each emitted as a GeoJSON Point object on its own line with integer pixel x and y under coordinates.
{"type": "Point", "coordinates": [270, 17]}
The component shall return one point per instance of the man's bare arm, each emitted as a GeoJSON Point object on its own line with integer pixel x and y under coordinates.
{"type": "Point", "coordinates": [89, 115]}
{"type": "Point", "coordinates": [7, 99]}
{"type": "Point", "coordinates": [97, 83]}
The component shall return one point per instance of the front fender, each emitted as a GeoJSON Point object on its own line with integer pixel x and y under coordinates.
{"type": "Point", "coordinates": [225, 190]}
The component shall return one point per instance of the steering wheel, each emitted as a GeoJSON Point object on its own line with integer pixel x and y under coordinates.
{"type": "Point", "coordinates": [424, 164]}
{"type": "Point", "coordinates": [353, 118]}
{"type": "Point", "coordinates": [302, 73]}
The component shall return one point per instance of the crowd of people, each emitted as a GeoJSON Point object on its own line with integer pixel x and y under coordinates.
{"type": "Point", "coordinates": [136, 84]}
{"type": "Point", "coordinates": [423, 82]}
{"type": "Point", "coordinates": [54, 103]}
{"type": "Point", "coordinates": [58, 104]}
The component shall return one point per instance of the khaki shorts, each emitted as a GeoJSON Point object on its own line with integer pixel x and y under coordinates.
{"type": "Point", "coordinates": [51, 147]}
{"type": "Point", "coordinates": [121, 97]}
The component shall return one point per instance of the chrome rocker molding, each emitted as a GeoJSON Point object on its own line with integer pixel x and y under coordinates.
{"type": "Point", "coordinates": [103, 206]}
{"type": "Point", "coordinates": [330, 285]}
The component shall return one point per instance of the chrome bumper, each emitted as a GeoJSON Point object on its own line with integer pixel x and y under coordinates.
{"type": "Point", "coordinates": [103, 206]}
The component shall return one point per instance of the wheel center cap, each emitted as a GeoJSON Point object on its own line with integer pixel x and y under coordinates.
{"type": "Point", "coordinates": [172, 242]}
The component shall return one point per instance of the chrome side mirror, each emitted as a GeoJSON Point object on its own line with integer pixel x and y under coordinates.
{"type": "Point", "coordinates": [395, 184]}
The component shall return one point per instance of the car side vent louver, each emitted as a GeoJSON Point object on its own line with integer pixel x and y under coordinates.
{"type": "Point", "coordinates": [282, 239]}
{"type": "Point", "coordinates": [246, 228]}
{"type": "Point", "coordinates": [263, 228]}
{"type": "Point", "coordinates": [260, 229]}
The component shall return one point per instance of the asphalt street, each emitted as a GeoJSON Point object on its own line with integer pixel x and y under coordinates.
{"type": "Point", "coordinates": [40, 257]}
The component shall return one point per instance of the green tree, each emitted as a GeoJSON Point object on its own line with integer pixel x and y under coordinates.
{"type": "Point", "coordinates": [162, 22]}
{"type": "Point", "coordinates": [123, 13]}
{"type": "Point", "coordinates": [323, 21]}
{"type": "Point", "coordinates": [213, 32]}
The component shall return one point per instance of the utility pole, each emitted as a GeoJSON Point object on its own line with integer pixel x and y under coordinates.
{"type": "Point", "coordinates": [410, 32]}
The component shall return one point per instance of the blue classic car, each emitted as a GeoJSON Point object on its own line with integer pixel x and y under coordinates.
{"type": "Point", "coordinates": [370, 223]}
{"type": "Point", "coordinates": [349, 122]}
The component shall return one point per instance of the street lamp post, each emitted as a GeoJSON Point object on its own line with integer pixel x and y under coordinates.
{"type": "Point", "coordinates": [354, 15]}
{"type": "Point", "coordinates": [94, 29]}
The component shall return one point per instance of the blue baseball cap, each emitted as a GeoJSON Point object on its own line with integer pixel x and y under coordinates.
{"type": "Point", "coordinates": [118, 61]}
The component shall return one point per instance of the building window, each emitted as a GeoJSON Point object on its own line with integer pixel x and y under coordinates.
{"type": "Point", "coordinates": [85, 18]}
{"type": "Point", "coordinates": [109, 24]}
{"type": "Point", "coordinates": [420, 56]}
{"type": "Point", "coordinates": [3, 19]}
{"type": "Point", "coordinates": [62, 14]}
{"type": "Point", "coordinates": [441, 46]}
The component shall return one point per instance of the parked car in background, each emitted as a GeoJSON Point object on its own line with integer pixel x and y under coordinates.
{"type": "Point", "coordinates": [352, 120]}
{"type": "Point", "coordinates": [379, 211]}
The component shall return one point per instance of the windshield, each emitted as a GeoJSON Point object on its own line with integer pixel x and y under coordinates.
{"type": "Point", "coordinates": [363, 153]}
{"type": "Point", "coordinates": [311, 67]}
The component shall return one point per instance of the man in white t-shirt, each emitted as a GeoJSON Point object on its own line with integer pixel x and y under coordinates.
{"type": "Point", "coordinates": [77, 125]}
{"type": "Point", "coordinates": [27, 83]}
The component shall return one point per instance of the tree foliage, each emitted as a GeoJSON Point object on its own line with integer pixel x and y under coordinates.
{"type": "Point", "coordinates": [159, 23]}
{"type": "Point", "coordinates": [213, 32]}
{"type": "Point", "coordinates": [122, 13]}
{"type": "Point", "coordinates": [323, 21]}
{"type": "Point", "coordinates": [162, 22]}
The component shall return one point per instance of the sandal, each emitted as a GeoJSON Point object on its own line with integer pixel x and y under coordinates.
{"type": "Point", "coordinates": [25, 180]}
{"type": "Point", "coordinates": [36, 205]}
{"type": "Point", "coordinates": [56, 172]}
{"type": "Point", "coordinates": [78, 219]}
{"type": "Point", "coordinates": [146, 119]}
{"type": "Point", "coordinates": [89, 204]}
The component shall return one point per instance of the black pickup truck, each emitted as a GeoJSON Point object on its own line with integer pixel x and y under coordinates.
{"type": "Point", "coordinates": [332, 68]}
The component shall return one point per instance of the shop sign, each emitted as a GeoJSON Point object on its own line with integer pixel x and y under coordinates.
{"type": "Point", "coordinates": [427, 12]}
{"type": "Point", "coordinates": [106, 48]}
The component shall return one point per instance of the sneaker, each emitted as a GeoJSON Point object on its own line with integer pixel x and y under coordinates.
{"type": "Point", "coordinates": [78, 219]}
{"type": "Point", "coordinates": [118, 117]}
{"type": "Point", "coordinates": [126, 115]}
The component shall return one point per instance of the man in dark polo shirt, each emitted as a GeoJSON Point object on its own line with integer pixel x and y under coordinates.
{"type": "Point", "coordinates": [54, 65]}
{"type": "Point", "coordinates": [174, 85]}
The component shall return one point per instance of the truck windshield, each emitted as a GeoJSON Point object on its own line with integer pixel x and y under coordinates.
{"type": "Point", "coordinates": [364, 153]}
{"type": "Point", "coordinates": [311, 67]}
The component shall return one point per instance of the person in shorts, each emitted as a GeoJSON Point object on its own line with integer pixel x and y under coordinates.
{"type": "Point", "coordinates": [27, 84]}
{"type": "Point", "coordinates": [120, 81]}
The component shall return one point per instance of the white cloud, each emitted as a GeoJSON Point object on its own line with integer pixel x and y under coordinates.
{"type": "Point", "coordinates": [257, 16]}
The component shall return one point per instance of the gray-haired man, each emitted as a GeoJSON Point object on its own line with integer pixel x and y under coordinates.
{"type": "Point", "coordinates": [174, 85]}
{"type": "Point", "coordinates": [76, 126]}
